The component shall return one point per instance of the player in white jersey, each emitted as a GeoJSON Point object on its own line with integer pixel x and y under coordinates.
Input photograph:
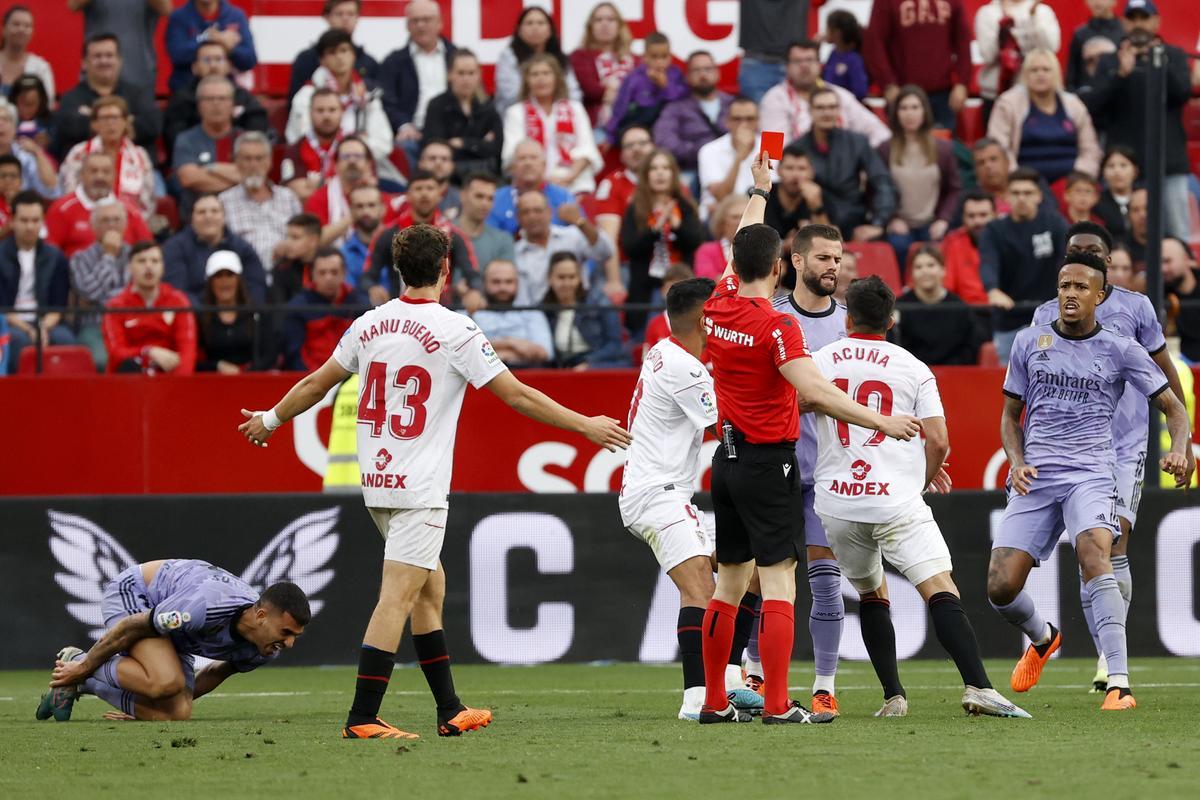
{"type": "Point", "coordinates": [414, 359]}
{"type": "Point", "coordinates": [869, 498]}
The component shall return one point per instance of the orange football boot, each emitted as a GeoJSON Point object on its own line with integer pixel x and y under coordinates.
{"type": "Point", "coordinates": [376, 730]}
{"type": "Point", "coordinates": [468, 719]}
{"type": "Point", "coordinates": [1118, 700]}
{"type": "Point", "coordinates": [1028, 670]}
{"type": "Point", "coordinates": [824, 702]}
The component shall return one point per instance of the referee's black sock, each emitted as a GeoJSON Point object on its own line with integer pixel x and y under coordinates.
{"type": "Point", "coordinates": [875, 617]}
{"type": "Point", "coordinates": [746, 617]}
{"type": "Point", "coordinates": [374, 673]}
{"type": "Point", "coordinates": [435, 663]}
{"type": "Point", "coordinates": [957, 638]}
{"type": "Point", "coordinates": [691, 645]}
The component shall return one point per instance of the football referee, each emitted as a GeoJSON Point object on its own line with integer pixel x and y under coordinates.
{"type": "Point", "coordinates": [761, 368]}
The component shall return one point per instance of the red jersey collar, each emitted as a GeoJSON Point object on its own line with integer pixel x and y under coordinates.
{"type": "Point", "coordinates": [878, 337]}
{"type": "Point", "coordinates": [415, 300]}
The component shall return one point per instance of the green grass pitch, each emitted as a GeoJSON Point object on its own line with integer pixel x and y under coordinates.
{"type": "Point", "coordinates": [567, 731]}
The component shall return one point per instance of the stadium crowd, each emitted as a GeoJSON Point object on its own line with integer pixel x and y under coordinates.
{"type": "Point", "coordinates": [589, 179]}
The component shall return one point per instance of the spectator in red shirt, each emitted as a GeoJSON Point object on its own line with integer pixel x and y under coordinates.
{"type": "Point", "coordinates": [331, 204]}
{"type": "Point", "coordinates": [659, 327]}
{"type": "Point", "coordinates": [960, 248]}
{"type": "Point", "coordinates": [144, 342]}
{"type": "Point", "coordinates": [1080, 198]}
{"type": "Point", "coordinates": [10, 184]}
{"type": "Point", "coordinates": [310, 336]}
{"type": "Point", "coordinates": [69, 221]}
{"type": "Point", "coordinates": [308, 163]}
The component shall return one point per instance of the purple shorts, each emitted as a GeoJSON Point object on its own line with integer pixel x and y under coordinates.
{"type": "Point", "coordinates": [814, 529]}
{"type": "Point", "coordinates": [125, 597]}
{"type": "Point", "coordinates": [1058, 501]}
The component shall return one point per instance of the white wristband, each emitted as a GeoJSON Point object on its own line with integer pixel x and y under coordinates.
{"type": "Point", "coordinates": [270, 420]}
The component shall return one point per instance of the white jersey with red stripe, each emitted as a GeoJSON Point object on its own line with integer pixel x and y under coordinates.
{"type": "Point", "coordinates": [672, 404]}
{"type": "Point", "coordinates": [863, 475]}
{"type": "Point", "coordinates": [414, 359]}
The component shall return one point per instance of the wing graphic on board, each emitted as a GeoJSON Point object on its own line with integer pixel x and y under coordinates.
{"type": "Point", "coordinates": [299, 553]}
{"type": "Point", "coordinates": [90, 558]}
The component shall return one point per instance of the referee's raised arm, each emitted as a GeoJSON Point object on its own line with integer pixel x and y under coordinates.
{"type": "Point", "coordinates": [757, 207]}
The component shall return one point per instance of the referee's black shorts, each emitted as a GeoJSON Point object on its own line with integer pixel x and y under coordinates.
{"type": "Point", "coordinates": [756, 500]}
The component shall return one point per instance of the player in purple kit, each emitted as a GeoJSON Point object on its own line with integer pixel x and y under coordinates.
{"type": "Point", "coordinates": [1068, 377]}
{"type": "Point", "coordinates": [161, 615]}
{"type": "Point", "coordinates": [1131, 314]}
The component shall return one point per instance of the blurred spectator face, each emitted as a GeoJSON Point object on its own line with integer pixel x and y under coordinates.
{"type": "Point", "coordinates": [27, 224]}
{"type": "Point", "coordinates": [803, 67]}
{"type": "Point", "coordinates": [928, 274]}
{"type": "Point", "coordinates": [108, 217]}
{"type": "Point", "coordinates": [1093, 50]}
{"type": "Point", "coordinates": [424, 20]}
{"type": "Point", "coordinates": [636, 144]}
{"type": "Point", "coordinates": [533, 214]}
{"type": "Point", "coordinates": [742, 115]}
{"type": "Point", "coordinates": [19, 29]}
{"type": "Point", "coordinates": [793, 172]}
{"type": "Point", "coordinates": [477, 199]}
{"type": "Point", "coordinates": [146, 269]}
{"type": "Point", "coordinates": [1024, 197]}
{"type": "Point", "coordinates": [541, 81]}
{"type": "Point", "coordinates": [352, 164]}
{"type": "Point", "coordinates": [464, 77]}
{"type": "Point", "coordinates": [702, 74]}
{"type": "Point", "coordinates": [343, 16]}
{"type": "Point", "coordinates": [847, 273]}
{"type": "Point", "coordinates": [528, 165]}
{"type": "Point", "coordinates": [438, 159]}
{"type": "Point", "coordinates": [657, 58]}
{"type": "Point", "coordinates": [10, 180]}
{"type": "Point", "coordinates": [224, 287]}
{"type": "Point", "coordinates": [215, 102]}
{"type": "Point", "coordinates": [1175, 260]}
{"type": "Point", "coordinates": [8, 131]}
{"type": "Point", "coordinates": [534, 30]}
{"type": "Point", "coordinates": [1041, 74]}
{"type": "Point", "coordinates": [732, 217]}
{"type": "Point", "coordinates": [340, 60]}
{"type": "Point", "coordinates": [328, 275]}
{"type": "Point", "coordinates": [1143, 23]}
{"type": "Point", "coordinates": [102, 63]}
{"type": "Point", "coordinates": [29, 104]}
{"type": "Point", "coordinates": [299, 244]}
{"type": "Point", "coordinates": [1120, 269]}
{"type": "Point", "coordinates": [976, 215]}
{"type": "Point", "coordinates": [605, 24]}
{"type": "Point", "coordinates": [253, 160]}
{"type": "Point", "coordinates": [98, 175]}
{"type": "Point", "coordinates": [1137, 214]}
{"type": "Point", "coordinates": [210, 60]}
{"type": "Point", "coordinates": [500, 282]}
{"type": "Point", "coordinates": [825, 111]}
{"type": "Point", "coordinates": [1082, 197]}
{"type": "Point", "coordinates": [326, 115]}
{"type": "Point", "coordinates": [565, 280]}
{"type": "Point", "coordinates": [424, 197]}
{"type": "Point", "coordinates": [366, 209]}
{"type": "Point", "coordinates": [110, 125]}
{"type": "Point", "coordinates": [1101, 8]}
{"type": "Point", "coordinates": [991, 168]}
{"type": "Point", "coordinates": [208, 219]}
{"type": "Point", "coordinates": [1119, 174]}
{"type": "Point", "coordinates": [1086, 243]}
{"type": "Point", "coordinates": [910, 113]}
{"type": "Point", "coordinates": [660, 176]}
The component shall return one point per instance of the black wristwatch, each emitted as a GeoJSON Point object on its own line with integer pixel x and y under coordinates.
{"type": "Point", "coordinates": [763, 193]}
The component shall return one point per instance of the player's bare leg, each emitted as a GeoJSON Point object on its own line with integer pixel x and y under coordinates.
{"type": "Point", "coordinates": [398, 592]}
{"type": "Point", "coordinates": [1093, 549]}
{"type": "Point", "coordinates": [826, 619]}
{"type": "Point", "coordinates": [694, 580]}
{"type": "Point", "coordinates": [133, 683]}
{"type": "Point", "coordinates": [429, 639]}
{"type": "Point", "coordinates": [1007, 572]}
{"type": "Point", "coordinates": [719, 623]}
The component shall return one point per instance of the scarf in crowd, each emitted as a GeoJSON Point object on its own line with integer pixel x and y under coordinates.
{"type": "Point", "coordinates": [354, 102]}
{"type": "Point", "coordinates": [608, 66]}
{"type": "Point", "coordinates": [665, 253]}
{"type": "Point", "coordinates": [564, 130]}
{"type": "Point", "coordinates": [134, 174]}
{"type": "Point", "coordinates": [317, 159]}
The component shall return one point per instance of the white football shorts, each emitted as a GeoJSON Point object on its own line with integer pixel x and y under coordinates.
{"type": "Point", "coordinates": [411, 535]}
{"type": "Point", "coordinates": [912, 543]}
{"type": "Point", "coordinates": [674, 528]}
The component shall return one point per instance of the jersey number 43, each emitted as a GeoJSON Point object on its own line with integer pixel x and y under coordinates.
{"type": "Point", "coordinates": [414, 384]}
{"type": "Point", "coordinates": [881, 391]}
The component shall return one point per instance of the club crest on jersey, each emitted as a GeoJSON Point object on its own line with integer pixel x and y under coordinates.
{"type": "Point", "coordinates": [382, 459]}
{"type": "Point", "coordinates": [173, 619]}
{"type": "Point", "coordinates": [1102, 366]}
{"type": "Point", "coordinates": [1044, 341]}
{"type": "Point", "coordinates": [859, 470]}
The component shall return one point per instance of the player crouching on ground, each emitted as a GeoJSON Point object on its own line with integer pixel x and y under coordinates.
{"type": "Point", "coordinates": [868, 495]}
{"type": "Point", "coordinates": [161, 615]}
{"type": "Point", "coordinates": [1068, 376]}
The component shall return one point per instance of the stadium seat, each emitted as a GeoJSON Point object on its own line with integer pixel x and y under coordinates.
{"type": "Point", "coordinates": [1194, 156]}
{"type": "Point", "coordinates": [877, 258]}
{"type": "Point", "coordinates": [168, 209]}
{"type": "Point", "coordinates": [58, 359]}
{"type": "Point", "coordinates": [1191, 120]}
{"type": "Point", "coordinates": [988, 357]}
{"type": "Point", "coordinates": [970, 121]}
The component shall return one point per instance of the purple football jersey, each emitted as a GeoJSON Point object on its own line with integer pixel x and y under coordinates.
{"type": "Point", "coordinates": [1129, 314]}
{"type": "Point", "coordinates": [820, 329]}
{"type": "Point", "coordinates": [197, 606]}
{"type": "Point", "coordinates": [1071, 388]}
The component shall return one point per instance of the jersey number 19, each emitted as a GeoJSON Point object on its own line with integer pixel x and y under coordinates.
{"type": "Point", "coordinates": [862, 396]}
{"type": "Point", "coordinates": [414, 383]}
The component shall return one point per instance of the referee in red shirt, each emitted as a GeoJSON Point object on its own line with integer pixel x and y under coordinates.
{"type": "Point", "coordinates": [761, 368]}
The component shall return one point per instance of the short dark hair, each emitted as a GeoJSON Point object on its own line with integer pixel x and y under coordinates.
{"type": "Point", "coordinates": [1123, 150]}
{"type": "Point", "coordinates": [418, 253]}
{"type": "Point", "coordinates": [656, 37]}
{"type": "Point", "coordinates": [869, 301]}
{"type": "Point", "coordinates": [422, 175]}
{"type": "Point", "coordinates": [142, 246]}
{"type": "Point", "coordinates": [984, 142]}
{"type": "Point", "coordinates": [1087, 227]}
{"type": "Point", "coordinates": [1187, 248]}
{"type": "Point", "coordinates": [685, 296]}
{"type": "Point", "coordinates": [1026, 174]}
{"type": "Point", "coordinates": [1075, 176]}
{"type": "Point", "coordinates": [425, 145]}
{"type": "Point", "coordinates": [9, 160]}
{"type": "Point", "coordinates": [28, 197]}
{"type": "Point", "coordinates": [331, 40]}
{"type": "Point", "coordinates": [741, 99]}
{"type": "Point", "coordinates": [1088, 260]}
{"type": "Point", "coordinates": [795, 149]}
{"type": "Point", "coordinates": [824, 88]}
{"type": "Point", "coordinates": [323, 91]}
{"type": "Point", "coordinates": [697, 54]}
{"type": "Point", "coordinates": [978, 196]}
{"type": "Point", "coordinates": [309, 223]}
{"type": "Point", "coordinates": [755, 250]}
{"type": "Point", "coordinates": [847, 24]}
{"type": "Point", "coordinates": [327, 251]}
{"type": "Point", "coordinates": [288, 598]}
{"type": "Point", "coordinates": [802, 241]}
{"type": "Point", "coordinates": [802, 44]}
{"type": "Point", "coordinates": [330, 5]}
{"type": "Point", "coordinates": [485, 177]}
{"type": "Point", "coordinates": [634, 126]}
{"type": "Point", "coordinates": [100, 36]}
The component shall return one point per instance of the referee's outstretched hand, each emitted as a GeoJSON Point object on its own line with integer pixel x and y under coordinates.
{"type": "Point", "coordinates": [901, 427]}
{"type": "Point", "coordinates": [606, 432]}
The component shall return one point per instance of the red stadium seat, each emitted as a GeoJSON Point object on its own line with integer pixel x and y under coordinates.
{"type": "Point", "coordinates": [58, 359]}
{"type": "Point", "coordinates": [1191, 120]}
{"type": "Point", "coordinates": [1194, 156]}
{"type": "Point", "coordinates": [970, 121]}
{"type": "Point", "coordinates": [988, 357]}
{"type": "Point", "coordinates": [877, 258]}
{"type": "Point", "coordinates": [168, 209]}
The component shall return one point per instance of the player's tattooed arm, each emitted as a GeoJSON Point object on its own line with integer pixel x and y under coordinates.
{"type": "Point", "coordinates": [1176, 462]}
{"type": "Point", "coordinates": [212, 676]}
{"type": "Point", "coordinates": [117, 639]}
{"type": "Point", "coordinates": [1012, 437]}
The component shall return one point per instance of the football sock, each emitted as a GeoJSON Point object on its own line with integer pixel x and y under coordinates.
{"type": "Point", "coordinates": [1109, 608]}
{"type": "Point", "coordinates": [875, 617]}
{"type": "Point", "coordinates": [1022, 613]}
{"type": "Point", "coordinates": [1085, 602]}
{"type": "Point", "coordinates": [957, 638]}
{"type": "Point", "coordinates": [434, 659]}
{"type": "Point", "coordinates": [374, 673]}
{"type": "Point", "coordinates": [1120, 565]}
{"type": "Point", "coordinates": [752, 653]}
{"type": "Point", "coordinates": [105, 685]}
{"type": "Point", "coordinates": [747, 614]}
{"type": "Point", "coordinates": [717, 637]}
{"type": "Point", "coordinates": [827, 616]}
{"type": "Point", "coordinates": [777, 630]}
{"type": "Point", "coordinates": [689, 628]}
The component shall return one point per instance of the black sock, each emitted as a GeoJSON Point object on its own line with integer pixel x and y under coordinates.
{"type": "Point", "coordinates": [690, 632]}
{"type": "Point", "coordinates": [743, 626]}
{"type": "Point", "coordinates": [374, 673]}
{"type": "Point", "coordinates": [875, 617]}
{"type": "Point", "coordinates": [957, 638]}
{"type": "Point", "coordinates": [435, 663]}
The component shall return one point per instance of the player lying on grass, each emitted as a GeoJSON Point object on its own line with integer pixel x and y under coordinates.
{"type": "Point", "coordinates": [1068, 377]}
{"type": "Point", "coordinates": [161, 615]}
{"type": "Point", "coordinates": [869, 498]}
{"type": "Point", "coordinates": [415, 358]}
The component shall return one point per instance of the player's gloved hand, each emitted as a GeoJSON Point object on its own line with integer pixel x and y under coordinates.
{"type": "Point", "coordinates": [901, 427]}
{"type": "Point", "coordinates": [606, 432]}
{"type": "Point", "coordinates": [69, 673]}
{"type": "Point", "coordinates": [253, 428]}
{"type": "Point", "coordinates": [1022, 478]}
{"type": "Point", "coordinates": [1176, 464]}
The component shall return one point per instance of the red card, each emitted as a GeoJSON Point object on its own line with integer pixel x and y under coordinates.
{"type": "Point", "coordinates": [772, 144]}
